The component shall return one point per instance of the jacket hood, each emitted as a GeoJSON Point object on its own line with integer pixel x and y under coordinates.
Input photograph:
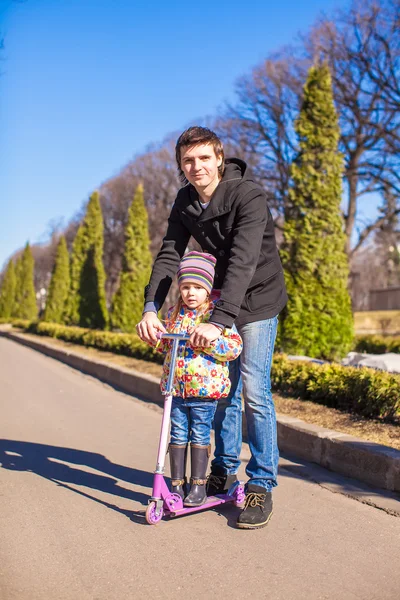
{"type": "Point", "coordinates": [235, 168]}
{"type": "Point", "coordinates": [236, 171]}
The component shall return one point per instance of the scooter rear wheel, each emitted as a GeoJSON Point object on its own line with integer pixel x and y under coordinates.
{"type": "Point", "coordinates": [152, 517]}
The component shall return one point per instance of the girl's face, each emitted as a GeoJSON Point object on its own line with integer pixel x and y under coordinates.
{"type": "Point", "coordinates": [193, 295]}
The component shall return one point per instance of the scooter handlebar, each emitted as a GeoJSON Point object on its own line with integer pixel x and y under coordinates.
{"type": "Point", "coordinates": [173, 336]}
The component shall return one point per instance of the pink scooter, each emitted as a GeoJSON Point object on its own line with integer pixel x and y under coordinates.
{"type": "Point", "coordinates": [163, 502]}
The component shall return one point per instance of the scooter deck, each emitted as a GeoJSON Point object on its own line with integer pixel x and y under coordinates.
{"type": "Point", "coordinates": [209, 503]}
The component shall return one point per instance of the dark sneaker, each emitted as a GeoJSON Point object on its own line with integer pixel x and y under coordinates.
{"type": "Point", "coordinates": [257, 508]}
{"type": "Point", "coordinates": [219, 482]}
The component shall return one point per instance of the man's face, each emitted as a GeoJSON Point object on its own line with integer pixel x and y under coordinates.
{"type": "Point", "coordinates": [200, 166]}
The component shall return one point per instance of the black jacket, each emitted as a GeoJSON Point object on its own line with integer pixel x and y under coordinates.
{"type": "Point", "coordinates": [238, 229]}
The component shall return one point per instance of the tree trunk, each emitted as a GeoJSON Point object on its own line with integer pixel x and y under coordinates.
{"type": "Point", "coordinates": [352, 179]}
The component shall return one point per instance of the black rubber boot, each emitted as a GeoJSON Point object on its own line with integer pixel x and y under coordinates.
{"type": "Point", "coordinates": [218, 482]}
{"type": "Point", "coordinates": [199, 456]}
{"type": "Point", "coordinates": [257, 508]}
{"type": "Point", "coordinates": [177, 459]}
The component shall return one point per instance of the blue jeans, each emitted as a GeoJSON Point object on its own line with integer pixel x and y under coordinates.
{"type": "Point", "coordinates": [191, 420]}
{"type": "Point", "coordinates": [250, 373]}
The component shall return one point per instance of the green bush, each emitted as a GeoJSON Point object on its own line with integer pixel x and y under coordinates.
{"type": "Point", "coordinates": [377, 344]}
{"type": "Point", "coordinates": [356, 390]}
{"type": "Point", "coordinates": [317, 320]}
{"type": "Point", "coordinates": [7, 291]}
{"type": "Point", "coordinates": [120, 343]}
{"type": "Point", "coordinates": [24, 306]}
{"type": "Point", "coordinates": [59, 285]}
{"type": "Point", "coordinates": [21, 323]}
{"type": "Point", "coordinates": [86, 301]}
{"type": "Point", "coordinates": [127, 304]}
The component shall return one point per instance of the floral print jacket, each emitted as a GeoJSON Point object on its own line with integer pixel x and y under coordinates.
{"type": "Point", "coordinates": [201, 373]}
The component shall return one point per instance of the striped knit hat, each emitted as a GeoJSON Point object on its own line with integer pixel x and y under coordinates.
{"type": "Point", "coordinates": [198, 267]}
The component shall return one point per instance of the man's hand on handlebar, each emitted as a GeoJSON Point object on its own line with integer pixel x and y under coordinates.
{"type": "Point", "coordinates": [148, 328]}
{"type": "Point", "coordinates": [204, 334]}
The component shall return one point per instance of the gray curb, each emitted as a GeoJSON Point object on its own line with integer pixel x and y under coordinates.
{"type": "Point", "coordinates": [371, 463]}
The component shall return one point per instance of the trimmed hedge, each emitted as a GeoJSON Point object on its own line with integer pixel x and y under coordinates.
{"type": "Point", "coordinates": [356, 390]}
{"type": "Point", "coordinates": [22, 323]}
{"type": "Point", "coordinates": [377, 344]}
{"type": "Point", "coordinates": [120, 343]}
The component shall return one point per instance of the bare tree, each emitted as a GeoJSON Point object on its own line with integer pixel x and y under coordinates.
{"type": "Point", "coordinates": [115, 196]}
{"type": "Point", "coordinates": [366, 274]}
{"type": "Point", "coordinates": [156, 170]}
{"type": "Point", "coordinates": [259, 126]}
{"type": "Point", "coordinates": [387, 240]}
{"type": "Point", "coordinates": [362, 48]}
{"type": "Point", "coordinates": [376, 265]}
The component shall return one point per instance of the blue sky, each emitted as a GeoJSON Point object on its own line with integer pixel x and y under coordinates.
{"type": "Point", "coordinates": [87, 84]}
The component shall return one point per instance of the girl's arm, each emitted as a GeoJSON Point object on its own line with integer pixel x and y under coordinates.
{"type": "Point", "coordinates": [227, 347]}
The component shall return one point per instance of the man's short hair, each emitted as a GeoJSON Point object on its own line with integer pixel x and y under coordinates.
{"type": "Point", "coordinates": [193, 137]}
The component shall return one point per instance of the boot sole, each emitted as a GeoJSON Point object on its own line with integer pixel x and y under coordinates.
{"type": "Point", "coordinates": [255, 526]}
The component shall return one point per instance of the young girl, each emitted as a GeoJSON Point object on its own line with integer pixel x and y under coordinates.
{"type": "Point", "coordinates": [201, 376]}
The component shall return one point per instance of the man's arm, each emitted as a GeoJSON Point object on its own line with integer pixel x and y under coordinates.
{"type": "Point", "coordinates": [167, 261]}
{"type": "Point", "coordinates": [248, 232]}
{"type": "Point", "coordinates": [164, 269]}
{"type": "Point", "coordinates": [151, 307]}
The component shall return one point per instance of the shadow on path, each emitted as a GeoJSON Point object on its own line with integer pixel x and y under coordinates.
{"type": "Point", "coordinates": [44, 461]}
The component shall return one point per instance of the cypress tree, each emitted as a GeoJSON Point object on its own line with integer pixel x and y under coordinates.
{"type": "Point", "coordinates": [18, 283]}
{"type": "Point", "coordinates": [59, 286]}
{"type": "Point", "coordinates": [87, 298]}
{"type": "Point", "coordinates": [127, 304]}
{"type": "Point", "coordinates": [25, 299]}
{"type": "Point", "coordinates": [318, 318]}
{"type": "Point", "coordinates": [7, 292]}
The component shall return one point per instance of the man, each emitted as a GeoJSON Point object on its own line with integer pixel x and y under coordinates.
{"type": "Point", "coordinates": [227, 213]}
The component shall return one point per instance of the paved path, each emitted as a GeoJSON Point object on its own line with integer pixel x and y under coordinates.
{"type": "Point", "coordinates": [75, 473]}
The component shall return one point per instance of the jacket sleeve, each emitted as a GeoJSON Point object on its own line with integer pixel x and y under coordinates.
{"type": "Point", "coordinates": [162, 346]}
{"type": "Point", "coordinates": [167, 261]}
{"type": "Point", "coordinates": [225, 348]}
{"type": "Point", "coordinates": [248, 232]}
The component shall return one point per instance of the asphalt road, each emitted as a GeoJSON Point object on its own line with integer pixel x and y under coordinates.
{"type": "Point", "coordinates": [76, 462]}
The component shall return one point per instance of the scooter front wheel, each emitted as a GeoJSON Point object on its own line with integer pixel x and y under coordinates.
{"type": "Point", "coordinates": [152, 516]}
{"type": "Point", "coordinates": [239, 494]}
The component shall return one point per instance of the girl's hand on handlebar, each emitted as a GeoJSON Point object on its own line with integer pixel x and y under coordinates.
{"type": "Point", "coordinates": [148, 328]}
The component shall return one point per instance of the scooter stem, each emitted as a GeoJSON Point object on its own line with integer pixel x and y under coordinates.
{"type": "Point", "coordinates": [162, 447]}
